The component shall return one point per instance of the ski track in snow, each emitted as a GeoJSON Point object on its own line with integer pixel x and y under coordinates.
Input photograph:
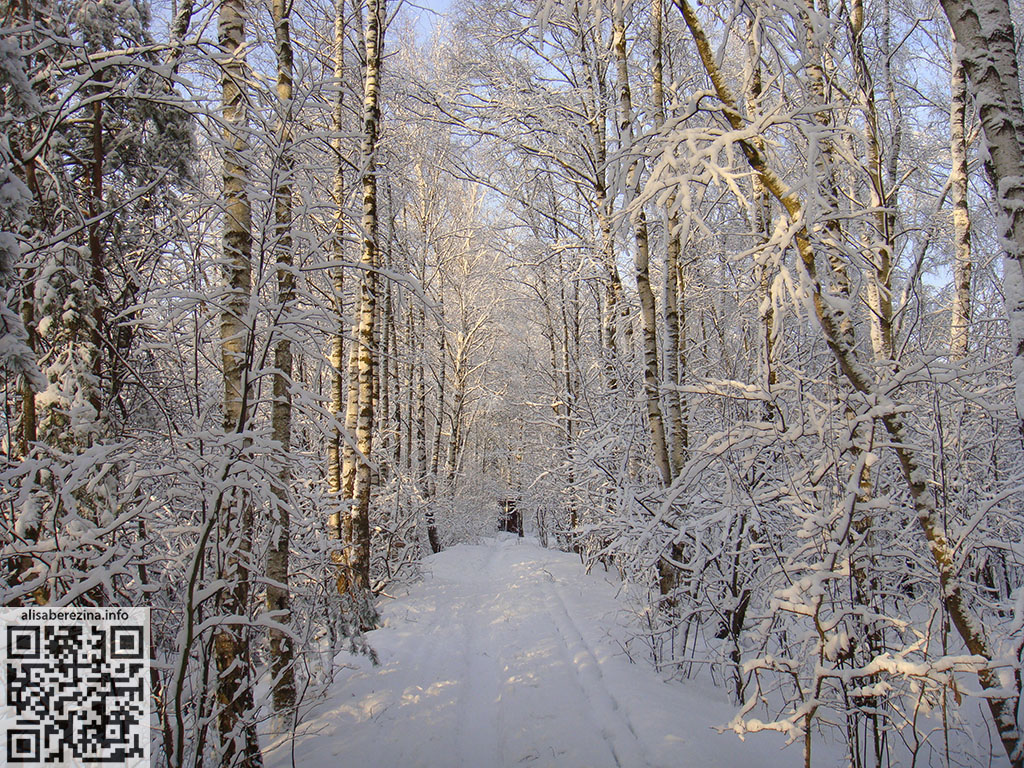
{"type": "Point", "coordinates": [504, 655]}
{"type": "Point", "coordinates": [617, 730]}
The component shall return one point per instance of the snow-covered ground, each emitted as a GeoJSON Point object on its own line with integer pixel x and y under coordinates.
{"type": "Point", "coordinates": [506, 655]}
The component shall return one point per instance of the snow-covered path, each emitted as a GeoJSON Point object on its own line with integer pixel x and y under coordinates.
{"type": "Point", "coordinates": [505, 655]}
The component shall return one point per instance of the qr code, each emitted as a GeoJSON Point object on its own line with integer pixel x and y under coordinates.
{"type": "Point", "coordinates": [75, 687]}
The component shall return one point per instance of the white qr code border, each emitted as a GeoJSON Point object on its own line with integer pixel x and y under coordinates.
{"type": "Point", "coordinates": [75, 685]}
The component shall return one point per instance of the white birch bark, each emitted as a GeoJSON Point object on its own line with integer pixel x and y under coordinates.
{"type": "Point", "coordinates": [880, 282]}
{"type": "Point", "coordinates": [648, 311]}
{"type": "Point", "coordinates": [366, 354]}
{"type": "Point", "coordinates": [674, 364]}
{"type": "Point", "coordinates": [239, 745]}
{"type": "Point", "coordinates": [960, 315]}
{"type": "Point", "coordinates": [278, 598]}
{"type": "Point", "coordinates": [985, 36]}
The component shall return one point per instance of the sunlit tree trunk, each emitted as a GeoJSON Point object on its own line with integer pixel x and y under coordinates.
{"type": "Point", "coordinates": [349, 457]}
{"type": "Point", "coordinates": [336, 404]}
{"type": "Point", "coordinates": [673, 310]}
{"type": "Point", "coordinates": [456, 420]}
{"type": "Point", "coordinates": [612, 306]}
{"type": "Point", "coordinates": [648, 311]}
{"type": "Point", "coordinates": [239, 744]}
{"type": "Point", "coordinates": [418, 332]}
{"type": "Point", "coordinates": [366, 356]}
{"type": "Point", "coordinates": [985, 37]}
{"type": "Point", "coordinates": [674, 357]}
{"type": "Point", "coordinates": [408, 345]}
{"type": "Point", "coordinates": [570, 337]}
{"type": "Point", "coordinates": [278, 598]}
{"type": "Point", "coordinates": [442, 394]}
{"type": "Point", "coordinates": [817, 60]}
{"type": "Point", "coordinates": [960, 317]}
{"type": "Point", "coordinates": [387, 376]}
{"type": "Point", "coordinates": [176, 34]}
{"type": "Point", "coordinates": [420, 464]}
{"type": "Point", "coordinates": [760, 207]}
{"type": "Point", "coordinates": [880, 284]}
{"type": "Point", "coordinates": [27, 388]}
{"type": "Point", "coordinates": [986, 41]}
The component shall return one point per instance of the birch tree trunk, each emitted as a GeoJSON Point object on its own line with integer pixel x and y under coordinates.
{"type": "Point", "coordinates": [762, 220]}
{"type": "Point", "coordinates": [97, 328]}
{"type": "Point", "coordinates": [1002, 705]}
{"type": "Point", "coordinates": [612, 304]}
{"type": "Point", "coordinates": [421, 429]}
{"type": "Point", "coordinates": [369, 260]}
{"type": "Point", "coordinates": [336, 406]}
{"type": "Point", "coordinates": [410, 385]}
{"type": "Point", "coordinates": [278, 598]}
{"type": "Point", "coordinates": [828, 187]}
{"type": "Point", "coordinates": [387, 375]}
{"type": "Point", "coordinates": [985, 37]}
{"type": "Point", "coordinates": [570, 334]}
{"type": "Point", "coordinates": [27, 388]}
{"type": "Point", "coordinates": [861, 434]}
{"type": "Point", "coordinates": [674, 364]}
{"type": "Point", "coordinates": [986, 40]}
{"type": "Point", "coordinates": [442, 391]}
{"type": "Point", "coordinates": [675, 326]}
{"type": "Point", "coordinates": [418, 332]}
{"type": "Point", "coordinates": [239, 745]}
{"type": "Point", "coordinates": [880, 284]}
{"type": "Point", "coordinates": [456, 419]}
{"type": "Point", "coordinates": [648, 311]}
{"type": "Point", "coordinates": [176, 34]}
{"type": "Point", "coordinates": [349, 457]}
{"type": "Point", "coordinates": [960, 317]}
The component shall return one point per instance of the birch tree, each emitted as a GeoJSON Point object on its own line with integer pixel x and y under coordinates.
{"type": "Point", "coordinates": [278, 597]}
{"type": "Point", "coordinates": [234, 688]}
{"type": "Point", "coordinates": [985, 35]}
{"type": "Point", "coordinates": [960, 319]}
{"type": "Point", "coordinates": [648, 311]}
{"type": "Point", "coordinates": [360, 469]}
{"type": "Point", "coordinates": [336, 527]}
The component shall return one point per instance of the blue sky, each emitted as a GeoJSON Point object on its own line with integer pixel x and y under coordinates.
{"type": "Point", "coordinates": [427, 11]}
{"type": "Point", "coordinates": [441, 6]}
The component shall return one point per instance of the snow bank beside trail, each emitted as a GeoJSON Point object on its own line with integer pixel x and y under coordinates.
{"type": "Point", "coordinates": [507, 654]}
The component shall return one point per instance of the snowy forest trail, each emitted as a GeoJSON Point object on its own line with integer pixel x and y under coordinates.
{"type": "Point", "coordinates": [508, 654]}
